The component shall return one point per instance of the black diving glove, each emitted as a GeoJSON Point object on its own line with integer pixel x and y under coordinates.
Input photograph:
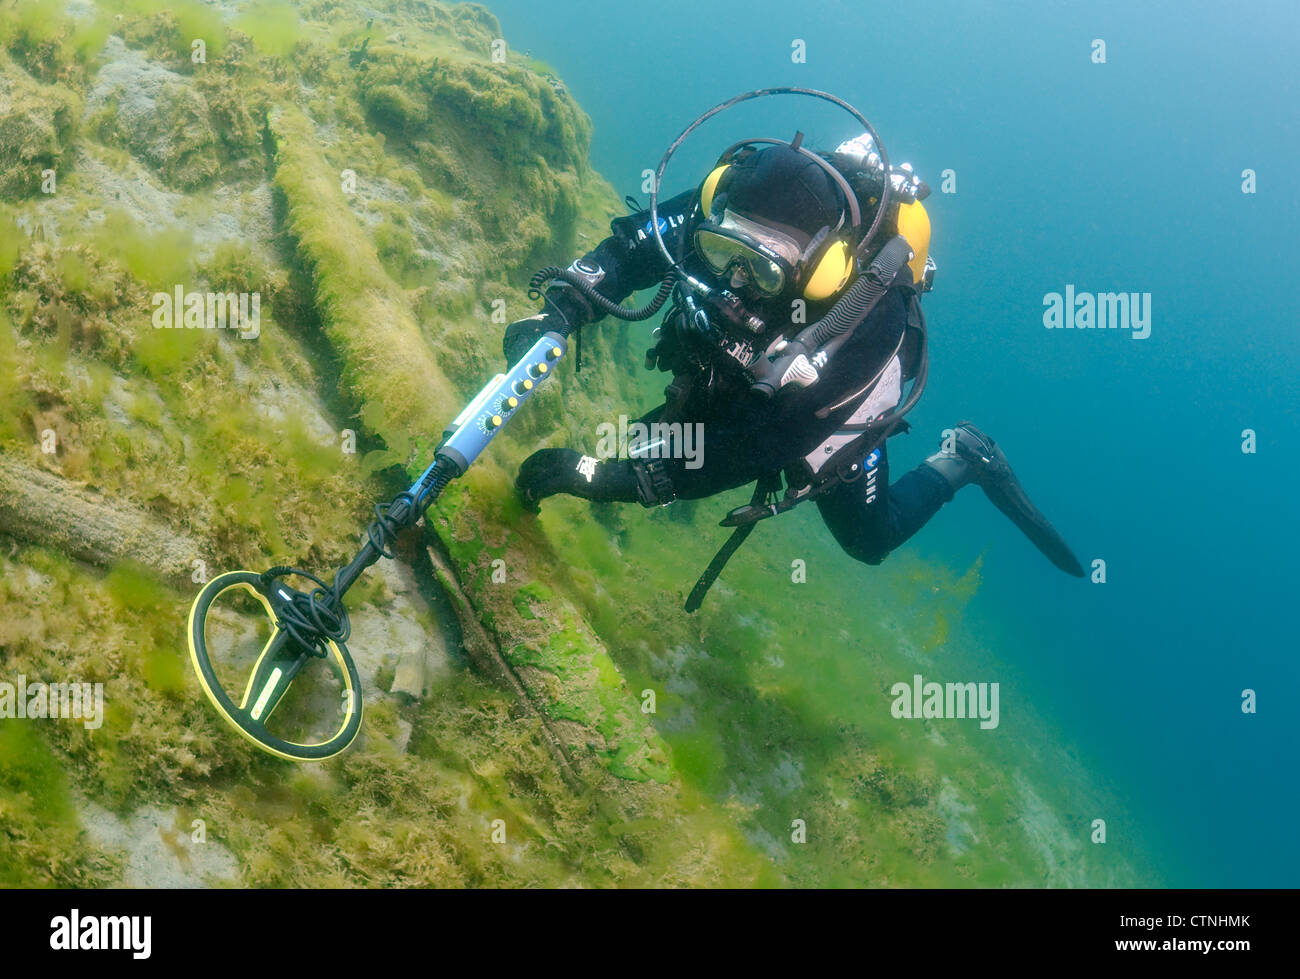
{"type": "Point", "coordinates": [558, 315]}
{"type": "Point", "coordinates": [522, 334]}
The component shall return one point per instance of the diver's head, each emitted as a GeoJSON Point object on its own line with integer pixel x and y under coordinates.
{"type": "Point", "coordinates": [773, 224]}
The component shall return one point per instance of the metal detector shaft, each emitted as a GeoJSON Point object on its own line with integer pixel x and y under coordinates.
{"type": "Point", "coordinates": [463, 441]}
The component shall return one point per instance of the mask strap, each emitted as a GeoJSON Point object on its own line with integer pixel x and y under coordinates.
{"type": "Point", "coordinates": [813, 245]}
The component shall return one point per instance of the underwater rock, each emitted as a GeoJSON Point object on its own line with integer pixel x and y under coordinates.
{"type": "Point", "coordinates": [410, 675]}
{"type": "Point", "coordinates": [132, 187]}
{"type": "Point", "coordinates": [1061, 851]}
{"type": "Point", "coordinates": [397, 628]}
{"type": "Point", "coordinates": [159, 849]}
{"type": "Point", "coordinates": [157, 114]}
{"type": "Point", "coordinates": [37, 124]}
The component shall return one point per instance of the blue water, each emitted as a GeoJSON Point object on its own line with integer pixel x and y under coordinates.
{"type": "Point", "coordinates": [1124, 176]}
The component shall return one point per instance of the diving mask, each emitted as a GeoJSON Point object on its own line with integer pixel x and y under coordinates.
{"type": "Point", "coordinates": [766, 257]}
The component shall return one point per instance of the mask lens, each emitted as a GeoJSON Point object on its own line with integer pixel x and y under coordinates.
{"type": "Point", "coordinates": [717, 251]}
{"type": "Point", "coordinates": [766, 276]}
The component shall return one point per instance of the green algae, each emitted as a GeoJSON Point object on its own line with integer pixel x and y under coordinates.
{"type": "Point", "coordinates": [169, 28]}
{"type": "Point", "coordinates": [39, 827]}
{"type": "Point", "coordinates": [48, 42]}
{"type": "Point", "coordinates": [38, 123]}
{"type": "Point", "coordinates": [272, 25]}
{"type": "Point", "coordinates": [156, 257]}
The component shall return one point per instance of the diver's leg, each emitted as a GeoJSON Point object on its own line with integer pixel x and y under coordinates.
{"type": "Point", "coordinates": [869, 518]}
{"type": "Point", "coordinates": [973, 457]}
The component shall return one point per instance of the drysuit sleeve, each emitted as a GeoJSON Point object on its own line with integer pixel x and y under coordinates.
{"type": "Point", "coordinates": [627, 261]}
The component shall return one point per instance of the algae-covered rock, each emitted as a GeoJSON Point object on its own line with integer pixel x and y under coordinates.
{"type": "Point", "coordinates": [162, 117]}
{"type": "Point", "coordinates": [69, 295]}
{"type": "Point", "coordinates": [392, 107]}
{"type": "Point", "coordinates": [37, 126]}
{"type": "Point", "coordinates": [53, 40]}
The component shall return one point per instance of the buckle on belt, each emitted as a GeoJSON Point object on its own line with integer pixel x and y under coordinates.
{"type": "Point", "coordinates": [654, 485]}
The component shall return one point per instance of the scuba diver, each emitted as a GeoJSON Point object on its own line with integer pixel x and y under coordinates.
{"type": "Point", "coordinates": [795, 325]}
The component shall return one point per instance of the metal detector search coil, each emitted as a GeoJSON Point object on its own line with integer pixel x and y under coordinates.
{"type": "Point", "coordinates": [281, 659]}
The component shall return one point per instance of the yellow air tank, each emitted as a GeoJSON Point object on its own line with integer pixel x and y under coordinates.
{"type": "Point", "coordinates": [914, 225]}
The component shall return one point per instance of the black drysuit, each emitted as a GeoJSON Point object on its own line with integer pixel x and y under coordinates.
{"type": "Point", "coordinates": [744, 436]}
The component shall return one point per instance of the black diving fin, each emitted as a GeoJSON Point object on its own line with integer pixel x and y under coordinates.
{"type": "Point", "coordinates": [989, 469]}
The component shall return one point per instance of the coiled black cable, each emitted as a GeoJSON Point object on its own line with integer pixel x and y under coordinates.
{"type": "Point", "coordinates": [606, 305]}
{"type": "Point", "coordinates": [315, 619]}
{"type": "Point", "coordinates": [383, 530]}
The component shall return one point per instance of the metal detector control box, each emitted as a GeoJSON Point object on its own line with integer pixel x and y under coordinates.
{"type": "Point", "coordinates": [471, 431]}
